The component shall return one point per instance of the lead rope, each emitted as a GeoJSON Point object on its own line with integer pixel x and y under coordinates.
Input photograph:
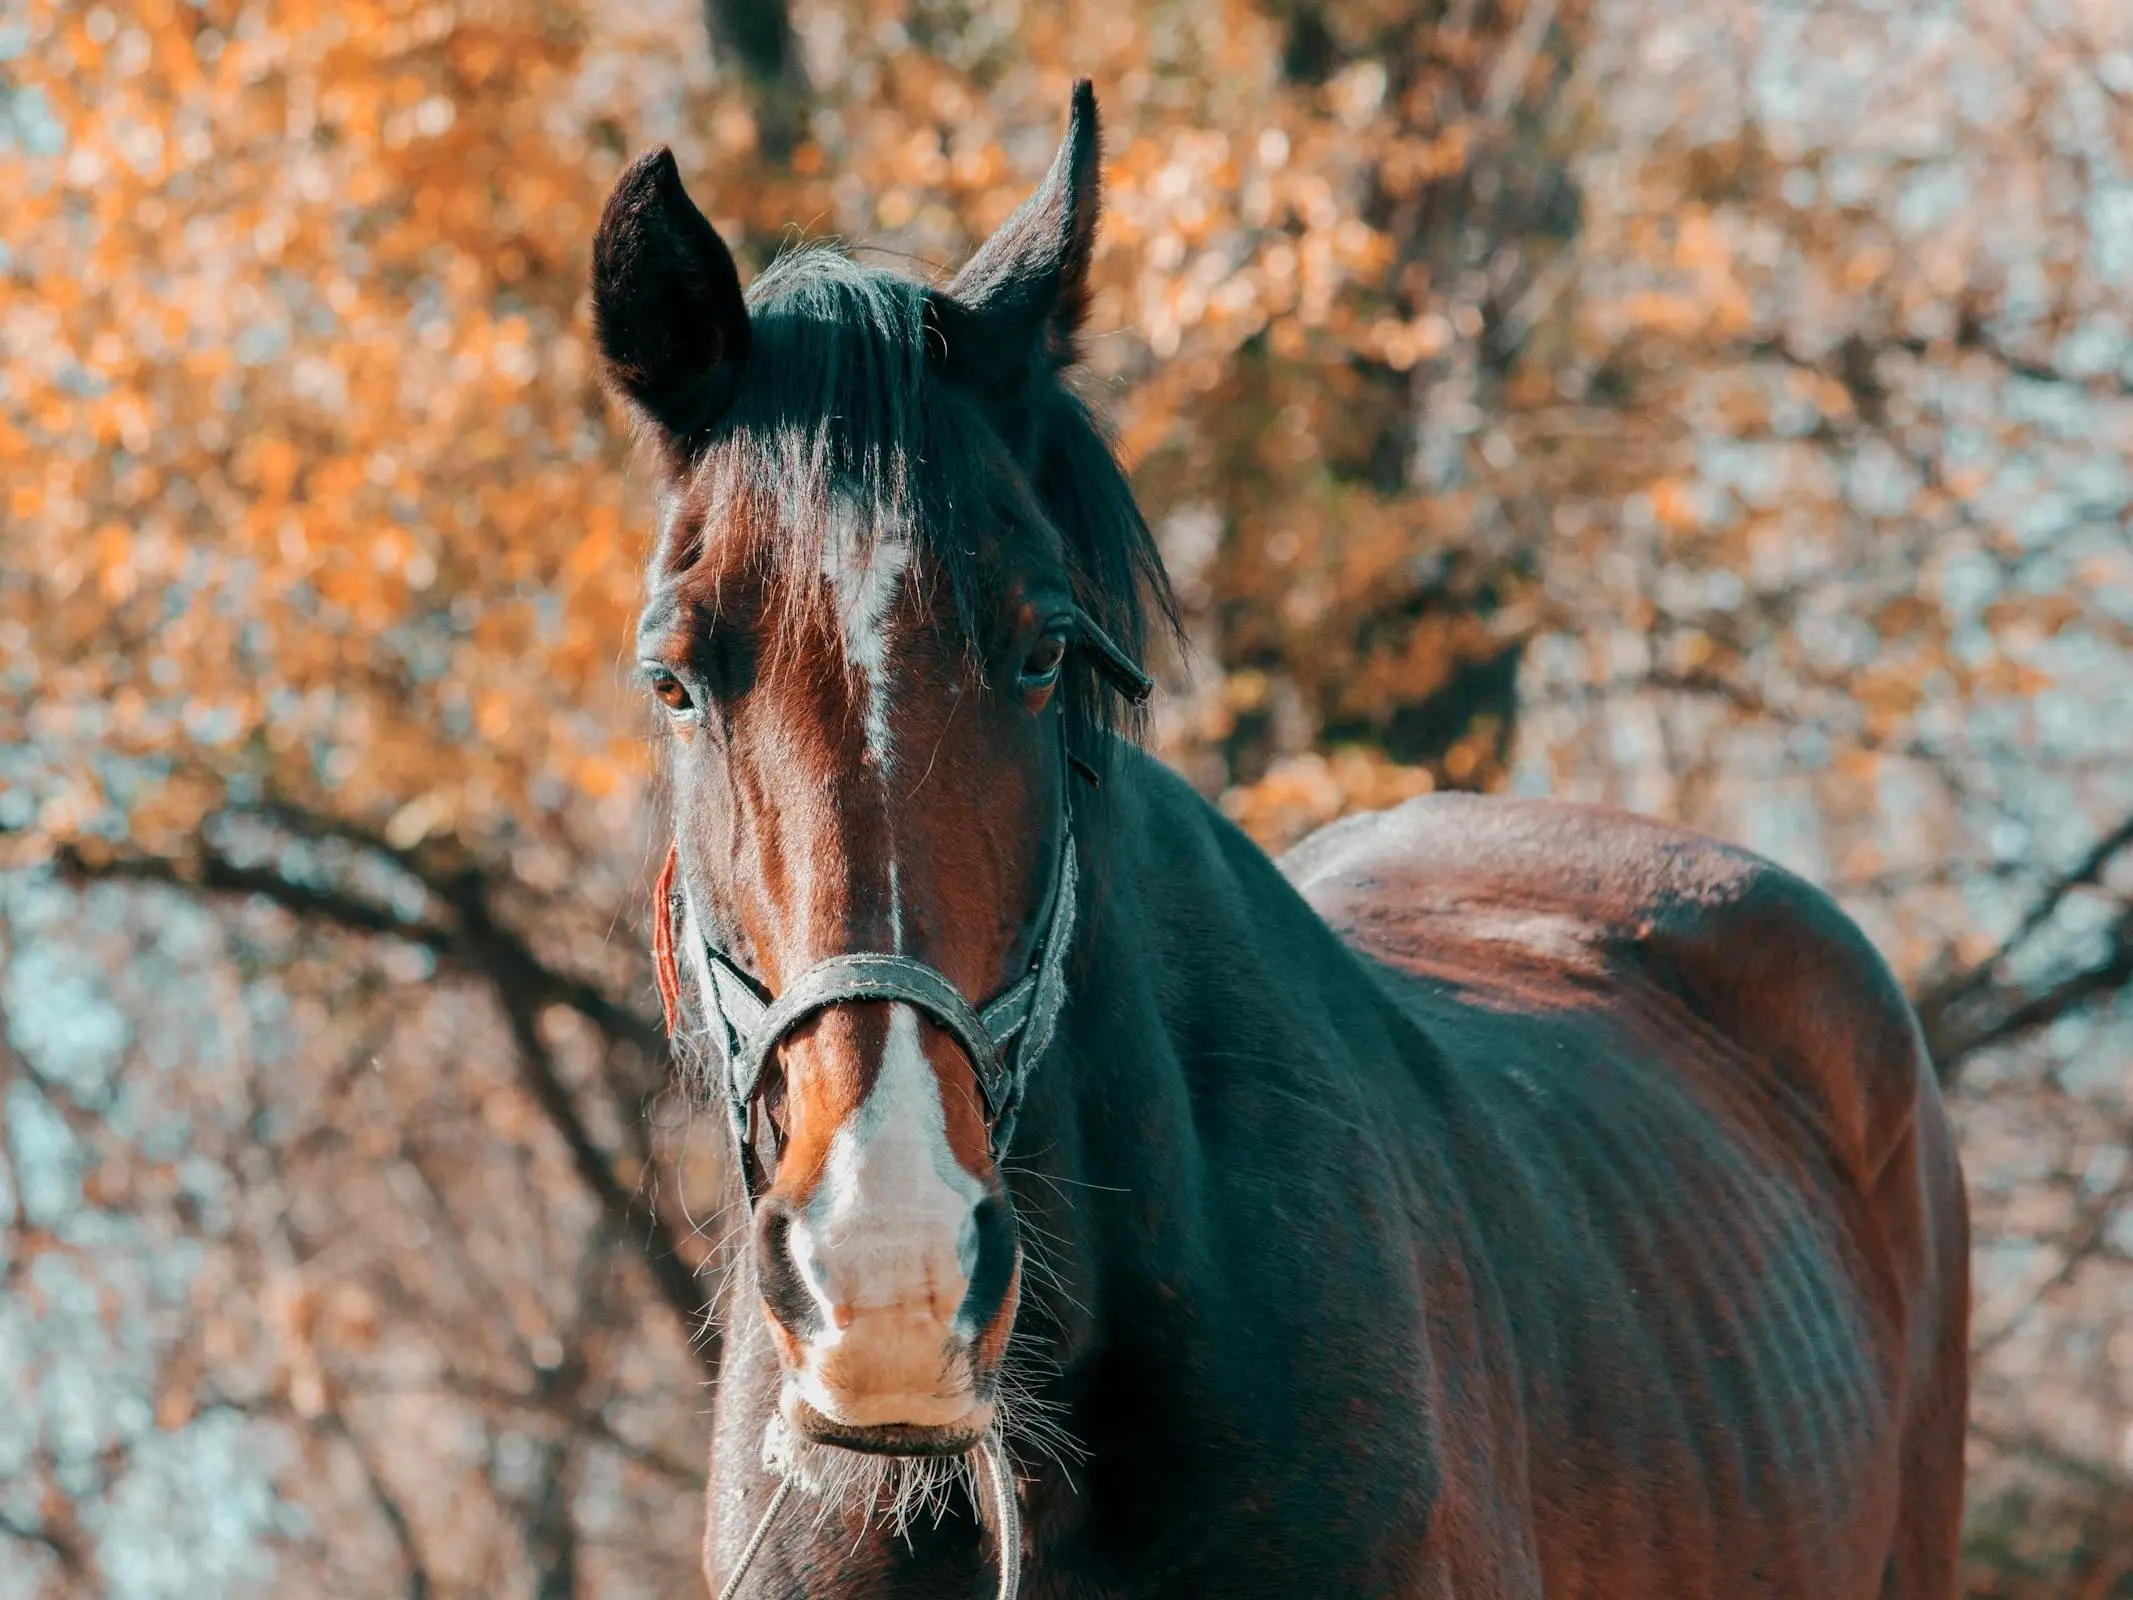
{"type": "Point", "coordinates": [754, 1546]}
{"type": "Point", "coordinates": [1007, 1513]}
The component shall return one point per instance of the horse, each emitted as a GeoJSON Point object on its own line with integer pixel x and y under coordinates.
{"type": "Point", "coordinates": [1490, 1198]}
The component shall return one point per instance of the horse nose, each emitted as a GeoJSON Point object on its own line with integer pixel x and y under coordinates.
{"type": "Point", "coordinates": [787, 1296]}
{"type": "Point", "coordinates": [993, 1273]}
{"type": "Point", "coordinates": [825, 1264]}
{"type": "Point", "coordinates": [886, 1317]}
{"type": "Point", "coordinates": [801, 1302]}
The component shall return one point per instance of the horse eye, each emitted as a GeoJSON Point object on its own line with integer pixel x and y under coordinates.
{"type": "Point", "coordinates": [672, 692]}
{"type": "Point", "coordinates": [1042, 664]}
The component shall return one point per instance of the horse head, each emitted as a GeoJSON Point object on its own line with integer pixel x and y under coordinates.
{"type": "Point", "coordinates": [895, 597]}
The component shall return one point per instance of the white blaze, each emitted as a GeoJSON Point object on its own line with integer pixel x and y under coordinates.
{"type": "Point", "coordinates": [866, 574]}
{"type": "Point", "coordinates": [888, 1241]}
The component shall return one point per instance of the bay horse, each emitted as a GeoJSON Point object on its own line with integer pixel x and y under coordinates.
{"type": "Point", "coordinates": [1489, 1199]}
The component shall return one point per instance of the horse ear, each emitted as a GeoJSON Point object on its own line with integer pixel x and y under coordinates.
{"type": "Point", "coordinates": [1026, 291]}
{"type": "Point", "coordinates": [667, 307]}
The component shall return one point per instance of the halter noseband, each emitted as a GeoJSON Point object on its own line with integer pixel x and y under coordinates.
{"type": "Point", "coordinates": [1004, 1041]}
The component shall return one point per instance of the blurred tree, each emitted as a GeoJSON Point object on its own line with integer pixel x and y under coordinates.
{"type": "Point", "coordinates": [759, 38]}
{"type": "Point", "coordinates": [1720, 410]}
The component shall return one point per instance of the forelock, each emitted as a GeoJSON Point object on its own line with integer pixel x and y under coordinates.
{"type": "Point", "coordinates": [841, 411]}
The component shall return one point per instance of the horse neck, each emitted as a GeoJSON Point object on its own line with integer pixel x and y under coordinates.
{"type": "Point", "coordinates": [1108, 1170]}
{"type": "Point", "coordinates": [1184, 920]}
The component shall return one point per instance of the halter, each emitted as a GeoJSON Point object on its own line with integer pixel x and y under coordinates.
{"type": "Point", "coordinates": [1004, 1041]}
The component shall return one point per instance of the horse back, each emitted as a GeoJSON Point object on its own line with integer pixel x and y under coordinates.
{"type": "Point", "coordinates": [1691, 1116]}
{"type": "Point", "coordinates": [1516, 902]}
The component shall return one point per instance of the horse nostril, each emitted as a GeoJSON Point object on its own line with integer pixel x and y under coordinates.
{"type": "Point", "coordinates": [993, 1268]}
{"type": "Point", "coordinates": [777, 1274]}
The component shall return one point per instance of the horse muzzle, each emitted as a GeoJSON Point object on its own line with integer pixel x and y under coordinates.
{"type": "Point", "coordinates": [890, 1338]}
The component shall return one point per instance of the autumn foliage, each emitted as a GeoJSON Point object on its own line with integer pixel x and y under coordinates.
{"type": "Point", "coordinates": [1719, 410]}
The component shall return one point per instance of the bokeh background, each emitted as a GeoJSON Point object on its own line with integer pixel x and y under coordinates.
{"type": "Point", "coordinates": [1718, 407]}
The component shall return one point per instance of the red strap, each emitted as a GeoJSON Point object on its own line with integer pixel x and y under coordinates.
{"type": "Point", "coordinates": [663, 967]}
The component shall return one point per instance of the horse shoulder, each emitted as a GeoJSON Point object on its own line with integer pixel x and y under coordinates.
{"type": "Point", "coordinates": [1524, 908]}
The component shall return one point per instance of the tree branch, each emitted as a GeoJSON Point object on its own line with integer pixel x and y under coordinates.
{"type": "Point", "coordinates": [59, 1531]}
{"type": "Point", "coordinates": [64, 1550]}
{"type": "Point", "coordinates": [1994, 1322]}
{"type": "Point", "coordinates": [2086, 872]}
{"type": "Point", "coordinates": [439, 871]}
{"type": "Point", "coordinates": [1975, 1008]}
{"type": "Point", "coordinates": [579, 1419]}
{"type": "Point", "coordinates": [332, 1422]}
{"type": "Point", "coordinates": [549, 1530]}
{"type": "Point", "coordinates": [2035, 1447]}
{"type": "Point", "coordinates": [523, 985]}
{"type": "Point", "coordinates": [758, 35]}
{"type": "Point", "coordinates": [1952, 1045]}
{"type": "Point", "coordinates": [213, 873]}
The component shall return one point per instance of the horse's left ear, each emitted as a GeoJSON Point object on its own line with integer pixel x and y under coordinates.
{"type": "Point", "coordinates": [1026, 292]}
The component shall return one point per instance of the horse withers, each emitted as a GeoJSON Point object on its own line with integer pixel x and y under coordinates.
{"type": "Point", "coordinates": [1490, 1198]}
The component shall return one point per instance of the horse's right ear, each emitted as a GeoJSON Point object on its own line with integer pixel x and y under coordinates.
{"type": "Point", "coordinates": [1025, 294]}
{"type": "Point", "coordinates": [667, 307]}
